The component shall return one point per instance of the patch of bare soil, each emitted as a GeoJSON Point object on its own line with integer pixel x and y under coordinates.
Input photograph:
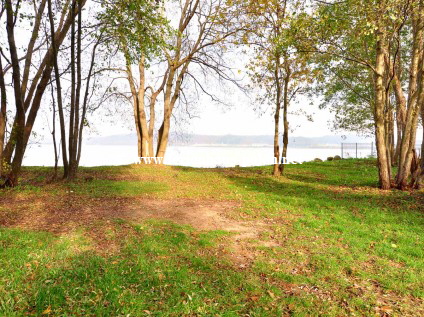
{"type": "Point", "coordinates": [46, 214]}
{"type": "Point", "coordinates": [209, 215]}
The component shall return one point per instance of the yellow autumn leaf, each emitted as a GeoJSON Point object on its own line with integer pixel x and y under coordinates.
{"type": "Point", "coordinates": [47, 311]}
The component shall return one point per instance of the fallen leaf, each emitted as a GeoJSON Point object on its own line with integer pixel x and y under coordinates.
{"type": "Point", "coordinates": [271, 294]}
{"type": "Point", "coordinates": [254, 298]}
{"type": "Point", "coordinates": [47, 311]}
{"type": "Point", "coordinates": [386, 309]}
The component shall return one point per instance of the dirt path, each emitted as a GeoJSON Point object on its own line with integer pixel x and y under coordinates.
{"type": "Point", "coordinates": [203, 215]}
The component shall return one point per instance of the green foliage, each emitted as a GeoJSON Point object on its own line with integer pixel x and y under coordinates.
{"type": "Point", "coordinates": [135, 27]}
{"type": "Point", "coordinates": [343, 36]}
{"type": "Point", "coordinates": [5, 168]}
{"type": "Point", "coordinates": [275, 50]}
{"type": "Point", "coordinates": [347, 91]}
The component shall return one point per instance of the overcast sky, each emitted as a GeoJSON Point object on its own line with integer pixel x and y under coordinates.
{"type": "Point", "coordinates": [240, 119]}
{"type": "Point", "coordinates": [243, 120]}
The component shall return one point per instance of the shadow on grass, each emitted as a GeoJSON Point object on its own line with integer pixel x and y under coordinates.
{"type": "Point", "coordinates": [310, 195]}
{"type": "Point", "coordinates": [350, 173]}
{"type": "Point", "coordinates": [338, 227]}
{"type": "Point", "coordinates": [161, 269]}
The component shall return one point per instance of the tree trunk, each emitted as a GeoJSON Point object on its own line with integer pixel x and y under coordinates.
{"type": "Point", "coordinates": [30, 50]}
{"type": "Point", "coordinates": [160, 133]}
{"type": "Point", "coordinates": [152, 124]}
{"type": "Point", "coordinates": [3, 106]}
{"type": "Point", "coordinates": [171, 96]}
{"type": "Point", "coordinates": [168, 104]}
{"type": "Point", "coordinates": [389, 134]}
{"type": "Point", "coordinates": [16, 75]}
{"type": "Point", "coordinates": [74, 105]}
{"type": "Point", "coordinates": [139, 140]}
{"type": "Point", "coordinates": [141, 112]}
{"type": "Point", "coordinates": [141, 126]}
{"type": "Point", "coordinates": [164, 136]}
{"type": "Point", "coordinates": [59, 93]}
{"type": "Point", "coordinates": [85, 102]}
{"type": "Point", "coordinates": [10, 144]}
{"type": "Point", "coordinates": [277, 158]}
{"type": "Point", "coordinates": [379, 113]}
{"type": "Point", "coordinates": [420, 179]}
{"type": "Point", "coordinates": [416, 99]}
{"type": "Point", "coordinates": [40, 86]}
{"type": "Point", "coordinates": [76, 123]}
{"type": "Point", "coordinates": [138, 97]}
{"type": "Point", "coordinates": [285, 118]}
{"type": "Point", "coordinates": [400, 112]}
{"type": "Point", "coordinates": [56, 156]}
{"type": "Point", "coordinates": [17, 144]}
{"type": "Point", "coordinates": [276, 171]}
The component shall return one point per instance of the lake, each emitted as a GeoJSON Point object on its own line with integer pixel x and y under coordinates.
{"type": "Point", "coordinates": [194, 156]}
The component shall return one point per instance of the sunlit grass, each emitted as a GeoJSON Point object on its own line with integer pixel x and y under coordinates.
{"type": "Point", "coordinates": [344, 247]}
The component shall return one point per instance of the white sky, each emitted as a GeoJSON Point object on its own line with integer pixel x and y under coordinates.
{"type": "Point", "coordinates": [240, 119]}
{"type": "Point", "coordinates": [243, 120]}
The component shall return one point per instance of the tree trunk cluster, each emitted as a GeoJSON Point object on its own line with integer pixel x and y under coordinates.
{"type": "Point", "coordinates": [28, 91]}
{"type": "Point", "coordinates": [387, 82]}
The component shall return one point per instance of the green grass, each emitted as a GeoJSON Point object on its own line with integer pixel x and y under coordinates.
{"type": "Point", "coordinates": [345, 247]}
{"type": "Point", "coordinates": [158, 271]}
{"type": "Point", "coordinates": [102, 188]}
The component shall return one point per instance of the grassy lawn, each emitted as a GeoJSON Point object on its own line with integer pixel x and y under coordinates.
{"type": "Point", "coordinates": [165, 241]}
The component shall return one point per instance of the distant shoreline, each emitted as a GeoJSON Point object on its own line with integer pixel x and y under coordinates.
{"type": "Point", "coordinates": [303, 146]}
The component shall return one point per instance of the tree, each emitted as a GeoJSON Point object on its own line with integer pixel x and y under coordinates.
{"type": "Point", "coordinates": [350, 31]}
{"type": "Point", "coordinates": [277, 68]}
{"type": "Point", "coordinates": [203, 27]}
{"type": "Point", "coordinates": [346, 91]}
{"type": "Point", "coordinates": [79, 99]}
{"type": "Point", "coordinates": [415, 99]}
{"type": "Point", "coordinates": [31, 83]}
{"type": "Point", "coordinates": [138, 29]}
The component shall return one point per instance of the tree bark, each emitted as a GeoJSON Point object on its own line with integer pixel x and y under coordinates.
{"type": "Point", "coordinates": [152, 122]}
{"type": "Point", "coordinates": [73, 105]}
{"type": "Point", "coordinates": [389, 133]}
{"type": "Point", "coordinates": [140, 118]}
{"type": "Point", "coordinates": [85, 102]}
{"type": "Point", "coordinates": [285, 117]}
{"type": "Point", "coordinates": [53, 132]}
{"type": "Point", "coordinates": [17, 143]}
{"type": "Point", "coordinates": [141, 112]}
{"type": "Point", "coordinates": [19, 103]}
{"type": "Point", "coordinates": [379, 113]}
{"type": "Point", "coordinates": [3, 118]}
{"type": "Point", "coordinates": [420, 179]}
{"type": "Point", "coordinates": [400, 111]}
{"type": "Point", "coordinates": [164, 135]}
{"type": "Point", "coordinates": [59, 93]}
{"type": "Point", "coordinates": [30, 50]}
{"type": "Point", "coordinates": [277, 158]}
{"type": "Point", "coordinates": [415, 100]}
{"type": "Point", "coordinates": [39, 83]}
{"type": "Point", "coordinates": [76, 125]}
{"type": "Point", "coordinates": [169, 102]}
